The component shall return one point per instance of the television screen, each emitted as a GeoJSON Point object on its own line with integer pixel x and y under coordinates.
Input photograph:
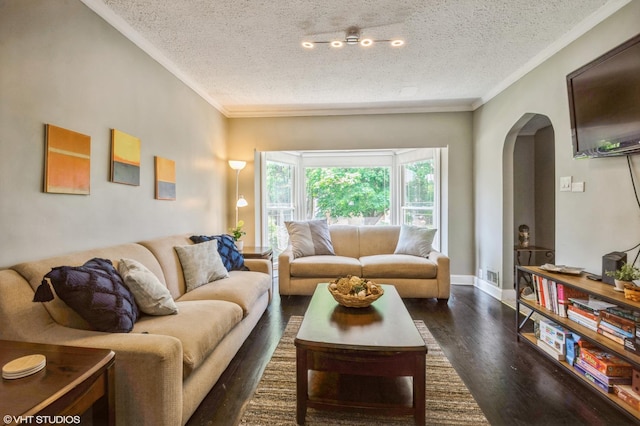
{"type": "Point", "coordinates": [604, 102]}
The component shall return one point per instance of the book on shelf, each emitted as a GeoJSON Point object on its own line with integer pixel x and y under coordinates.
{"type": "Point", "coordinates": [584, 313]}
{"type": "Point", "coordinates": [606, 325]}
{"type": "Point", "coordinates": [583, 321]}
{"type": "Point", "coordinates": [554, 331]}
{"type": "Point", "coordinates": [610, 336]}
{"type": "Point", "coordinates": [606, 363]}
{"type": "Point", "coordinates": [626, 394]}
{"type": "Point", "coordinates": [607, 380]}
{"type": "Point", "coordinates": [591, 304]}
{"type": "Point", "coordinates": [629, 314]}
{"type": "Point", "coordinates": [607, 388]}
{"type": "Point", "coordinates": [632, 345]}
{"type": "Point", "coordinates": [620, 322]}
{"type": "Point", "coordinates": [550, 350]}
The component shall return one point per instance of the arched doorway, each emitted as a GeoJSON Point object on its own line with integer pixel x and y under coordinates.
{"type": "Point", "coordinates": [529, 191]}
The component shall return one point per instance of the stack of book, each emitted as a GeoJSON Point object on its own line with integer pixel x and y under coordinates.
{"type": "Point", "coordinates": [601, 368]}
{"type": "Point", "coordinates": [553, 338]}
{"type": "Point", "coordinates": [586, 311]}
{"type": "Point", "coordinates": [617, 325]}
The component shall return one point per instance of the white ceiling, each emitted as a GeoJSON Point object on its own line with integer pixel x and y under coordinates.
{"type": "Point", "coordinates": [245, 56]}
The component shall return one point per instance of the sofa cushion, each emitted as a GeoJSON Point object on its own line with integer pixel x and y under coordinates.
{"type": "Point", "coordinates": [243, 288]}
{"type": "Point", "coordinates": [310, 238]}
{"type": "Point", "coordinates": [151, 296]}
{"type": "Point", "coordinates": [200, 326]}
{"type": "Point", "coordinates": [415, 240]}
{"type": "Point", "coordinates": [231, 257]}
{"type": "Point", "coordinates": [96, 292]}
{"type": "Point", "coordinates": [397, 266]}
{"type": "Point", "coordinates": [324, 266]}
{"type": "Point", "coordinates": [201, 264]}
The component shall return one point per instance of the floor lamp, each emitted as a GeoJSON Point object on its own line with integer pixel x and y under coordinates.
{"type": "Point", "coordinates": [240, 200]}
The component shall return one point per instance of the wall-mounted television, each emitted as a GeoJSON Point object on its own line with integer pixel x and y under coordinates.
{"type": "Point", "coordinates": [604, 103]}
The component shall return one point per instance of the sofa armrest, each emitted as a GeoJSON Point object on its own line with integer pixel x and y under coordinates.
{"type": "Point", "coordinates": [148, 371]}
{"type": "Point", "coordinates": [284, 270]}
{"type": "Point", "coordinates": [444, 273]}
{"type": "Point", "coordinates": [259, 265]}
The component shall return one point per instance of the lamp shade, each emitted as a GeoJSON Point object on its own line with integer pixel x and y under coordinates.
{"type": "Point", "coordinates": [237, 165]}
{"type": "Point", "coordinates": [242, 202]}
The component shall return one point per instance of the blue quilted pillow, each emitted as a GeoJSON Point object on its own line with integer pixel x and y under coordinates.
{"type": "Point", "coordinates": [96, 292]}
{"type": "Point", "coordinates": [231, 257]}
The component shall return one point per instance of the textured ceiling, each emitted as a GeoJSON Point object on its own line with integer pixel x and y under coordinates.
{"type": "Point", "coordinates": [245, 56]}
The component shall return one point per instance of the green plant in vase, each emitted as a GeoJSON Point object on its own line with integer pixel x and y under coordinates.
{"type": "Point", "coordinates": [237, 232]}
{"type": "Point", "coordinates": [626, 274]}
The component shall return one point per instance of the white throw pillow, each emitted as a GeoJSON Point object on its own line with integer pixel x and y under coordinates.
{"type": "Point", "coordinates": [415, 240]}
{"type": "Point", "coordinates": [201, 264]}
{"type": "Point", "coordinates": [310, 238]}
{"type": "Point", "coordinates": [151, 296]}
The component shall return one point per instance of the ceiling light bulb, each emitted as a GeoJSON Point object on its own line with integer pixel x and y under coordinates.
{"type": "Point", "coordinates": [307, 45]}
{"type": "Point", "coordinates": [336, 43]}
{"type": "Point", "coordinates": [397, 43]}
{"type": "Point", "coordinates": [366, 42]}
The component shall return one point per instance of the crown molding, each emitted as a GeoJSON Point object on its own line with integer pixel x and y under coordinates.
{"type": "Point", "coordinates": [125, 29]}
{"type": "Point", "coordinates": [136, 38]}
{"type": "Point", "coordinates": [269, 111]}
{"type": "Point", "coordinates": [576, 32]}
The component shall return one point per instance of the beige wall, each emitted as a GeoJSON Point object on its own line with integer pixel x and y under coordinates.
{"type": "Point", "coordinates": [452, 130]}
{"type": "Point", "coordinates": [602, 219]}
{"type": "Point", "coordinates": [62, 64]}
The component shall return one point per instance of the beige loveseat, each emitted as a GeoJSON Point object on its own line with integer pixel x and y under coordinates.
{"type": "Point", "coordinates": [167, 364]}
{"type": "Point", "coordinates": [368, 252]}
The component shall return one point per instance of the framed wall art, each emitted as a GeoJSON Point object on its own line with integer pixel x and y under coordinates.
{"type": "Point", "coordinates": [165, 179]}
{"type": "Point", "coordinates": [67, 161]}
{"type": "Point", "coordinates": [125, 158]}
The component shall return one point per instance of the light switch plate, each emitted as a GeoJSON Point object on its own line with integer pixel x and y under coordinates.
{"type": "Point", "coordinates": [565, 183]}
{"type": "Point", "coordinates": [577, 187]}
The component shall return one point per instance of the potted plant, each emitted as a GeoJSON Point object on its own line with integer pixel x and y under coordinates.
{"type": "Point", "coordinates": [625, 275]}
{"type": "Point", "coordinates": [237, 233]}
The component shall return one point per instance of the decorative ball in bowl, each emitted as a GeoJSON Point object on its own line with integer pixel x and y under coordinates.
{"type": "Point", "coordinates": [355, 292]}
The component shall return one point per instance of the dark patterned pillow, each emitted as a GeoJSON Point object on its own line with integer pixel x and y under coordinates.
{"type": "Point", "coordinates": [96, 292]}
{"type": "Point", "coordinates": [231, 257]}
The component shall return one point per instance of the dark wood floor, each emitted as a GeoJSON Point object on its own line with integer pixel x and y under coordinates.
{"type": "Point", "coordinates": [512, 382]}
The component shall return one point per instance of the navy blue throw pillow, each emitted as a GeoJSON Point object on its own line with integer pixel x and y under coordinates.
{"type": "Point", "coordinates": [96, 292]}
{"type": "Point", "coordinates": [231, 257]}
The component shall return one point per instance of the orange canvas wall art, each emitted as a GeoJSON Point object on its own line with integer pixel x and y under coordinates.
{"type": "Point", "coordinates": [67, 161]}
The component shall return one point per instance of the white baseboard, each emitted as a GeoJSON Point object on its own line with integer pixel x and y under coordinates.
{"type": "Point", "coordinates": [462, 280]}
{"type": "Point", "coordinates": [493, 291]}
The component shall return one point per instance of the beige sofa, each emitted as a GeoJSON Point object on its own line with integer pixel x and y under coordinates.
{"type": "Point", "coordinates": [368, 252]}
{"type": "Point", "coordinates": [167, 364]}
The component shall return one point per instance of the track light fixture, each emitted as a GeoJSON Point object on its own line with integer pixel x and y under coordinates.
{"type": "Point", "coordinates": [351, 38]}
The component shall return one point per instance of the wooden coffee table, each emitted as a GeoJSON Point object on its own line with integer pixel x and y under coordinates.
{"type": "Point", "coordinates": [73, 380]}
{"type": "Point", "coordinates": [360, 359]}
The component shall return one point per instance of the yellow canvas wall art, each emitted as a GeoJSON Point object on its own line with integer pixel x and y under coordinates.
{"type": "Point", "coordinates": [125, 158]}
{"type": "Point", "coordinates": [165, 179]}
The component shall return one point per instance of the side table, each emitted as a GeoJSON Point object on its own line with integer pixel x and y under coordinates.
{"type": "Point", "coordinates": [73, 380]}
{"type": "Point", "coordinates": [258, 252]}
{"type": "Point", "coordinates": [529, 250]}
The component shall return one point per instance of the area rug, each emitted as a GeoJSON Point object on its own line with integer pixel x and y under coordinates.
{"type": "Point", "coordinates": [448, 401]}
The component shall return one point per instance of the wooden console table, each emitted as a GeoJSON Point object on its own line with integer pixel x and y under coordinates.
{"type": "Point", "coordinates": [73, 380]}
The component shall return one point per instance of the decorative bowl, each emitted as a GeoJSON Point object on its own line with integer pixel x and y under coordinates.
{"type": "Point", "coordinates": [355, 292]}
